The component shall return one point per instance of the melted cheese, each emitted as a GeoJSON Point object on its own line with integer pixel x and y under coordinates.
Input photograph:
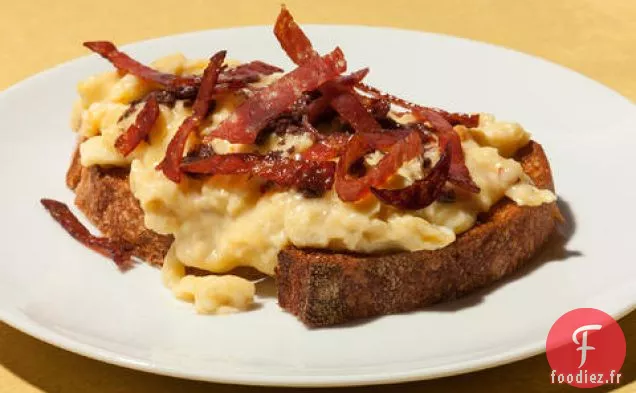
{"type": "Point", "coordinates": [226, 221]}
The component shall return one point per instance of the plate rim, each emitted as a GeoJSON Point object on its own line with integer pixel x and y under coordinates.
{"type": "Point", "coordinates": [58, 340]}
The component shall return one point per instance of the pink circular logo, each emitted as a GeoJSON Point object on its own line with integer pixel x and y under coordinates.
{"type": "Point", "coordinates": [586, 348]}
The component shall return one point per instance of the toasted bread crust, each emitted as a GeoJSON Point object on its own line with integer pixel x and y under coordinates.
{"type": "Point", "coordinates": [326, 288]}
{"type": "Point", "coordinates": [74, 172]}
{"type": "Point", "coordinates": [104, 196]}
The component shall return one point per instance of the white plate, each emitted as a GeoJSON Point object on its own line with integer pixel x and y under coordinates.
{"type": "Point", "coordinates": [55, 289]}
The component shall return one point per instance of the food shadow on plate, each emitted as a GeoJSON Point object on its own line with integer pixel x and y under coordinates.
{"type": "Point", "coordinates": [555, 250]}
{"type": "Point", "coordinates": [266, 288]}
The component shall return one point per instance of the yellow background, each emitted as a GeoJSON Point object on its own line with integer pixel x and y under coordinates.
{"type": "Point", "coordinates": [594, 37]}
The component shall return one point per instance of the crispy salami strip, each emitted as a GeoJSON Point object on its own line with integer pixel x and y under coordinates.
{"type": "Point", "coordinates": [317, 107]}
{"type": "Point", "coordinates": [458, 172]}
{"type": "Point", "coordinates": [347, 104]}
{"type": "Point", "coordinates": [186, 86]}
{"type": "Point", "coordinates": [344, 82]}
{"type": "Point", "coordinates": [310, 177]}
{"type": "Point", "coordinates": [400, 152]}
{"type": "Point", "coordinates": [139, 130]}
{"type": "Point", "coordinates": [350, 188]}
{"type": "Point", "coordinates": [299, 49]}
{"type": "Point", "coordinates": [248, 72]}
{"type": "Point", "coordinates": [292, 38]}
{"type": "Point", "coordinates": [422, 192]}
{"type": "Point", "coordinates": [170, 165]}
{"type": "Point", "coordinates": [327, 148]}
{"type": "Point", "coordinates": [125, 63]}
{"type": "Point", "coordinates": [351, 110]}
{"type": "Point", "coordinates": [265, 105]}
{"type": "Point", "coordinates": [232, 79]}
{"type": "Point", "coordinates": [331, 146]}
{"type": "Point", "coordinates": [119, 252]}
{"type": "Point", "coordinates": [468, 120]}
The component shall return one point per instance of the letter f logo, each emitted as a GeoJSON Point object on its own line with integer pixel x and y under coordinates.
{"type": "Point", "coordinates": [584, 347]}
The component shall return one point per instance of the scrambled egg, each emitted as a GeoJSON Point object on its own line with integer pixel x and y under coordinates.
{"type": "Point", "coordinates": [226, 221]}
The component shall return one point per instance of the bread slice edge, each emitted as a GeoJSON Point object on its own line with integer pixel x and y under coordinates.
{"type": "Point", "coordinates": [325, 288]}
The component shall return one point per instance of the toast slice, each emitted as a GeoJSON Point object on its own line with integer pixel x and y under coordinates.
{"type": "Point", "coordinates": [327, 288]}
{"type": "Point", "coordinates": [105, 198]}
